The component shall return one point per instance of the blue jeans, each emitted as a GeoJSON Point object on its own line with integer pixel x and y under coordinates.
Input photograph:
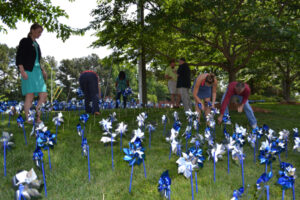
{"type": "Point", "coordinates": [247, 108]}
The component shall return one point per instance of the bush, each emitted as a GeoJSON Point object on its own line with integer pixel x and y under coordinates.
{"type": "Point", "coordinates": [267, 99]}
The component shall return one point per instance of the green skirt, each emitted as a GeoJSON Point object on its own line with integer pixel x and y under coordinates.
{"type": "Point", "coordinates": [35, 82]}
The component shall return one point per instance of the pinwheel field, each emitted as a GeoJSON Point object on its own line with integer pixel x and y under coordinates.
{"type": "Point", "coordinates": [69, 178]}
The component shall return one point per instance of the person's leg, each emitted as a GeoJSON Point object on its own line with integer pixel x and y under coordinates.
{"type": "Point", "coordinates": [185, 98]}
{"type": "Point", "coordinates": [94, 92]}
{"type": "Point", "coordinates": [207, 108]}
{"type": "Point", "coordinates": [83, 81]}
{"type": "Point", "coordinates": [42, 99]}
{"type": "Point", "coordinates": [173, 100]}
{"type": "Point", "coordinates": [125, 100]}
{"type": "Point", "coordinates": [27, 104]}
{"type": "Point", "coordinates": [226, 110]}
{"type": "Point", "coordinates": [177, 99]}
{"type": "Point", "coordinates": [118, 97]}
{"type": "Point", "coordinates": [249, 113]}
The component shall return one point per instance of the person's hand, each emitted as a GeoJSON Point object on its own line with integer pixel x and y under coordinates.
{"type": "Point", "coordinates": [44, 74]}
{"type": "Point", "coordinates": [240, 108]}
{"type": "Point", "coordinates": [220, 119]}
{"type": "Point", "coordinates": [24, 75]}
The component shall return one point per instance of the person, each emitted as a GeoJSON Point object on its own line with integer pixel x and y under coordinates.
{"type": "Point", "coordinates": [205, 89]}
{"type": "Point", "coordinates": [33, 75]}
{"type": "Point", "coordinates": [184, 83]}
{"type": "Point", "coordinates": [89, 84]}
{"type": "Point", "coordinates": [242, 92]}
{"type": "Point", "coordinates": [121, 84]}
{"type": "Point", "coordinates": [171, 76]}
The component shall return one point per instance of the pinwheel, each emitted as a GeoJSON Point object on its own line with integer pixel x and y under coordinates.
{"type": "Point", "coordinates": [173, 141]}
{"type": "Point", "coordinates": [6, 140]}
{"type": "Point", "coordinates": [296, 133]}
{"type": "Point", "coordinates": [188, 135]}
{"type": "Point", "coordinates": [127, 92]}
{"type": "Point", "coordinates": [198, 140]}
{"type": "Point", "coordinates": [164, 185]}
{"type": "Point", "coordinates": [85, 151]}
{"type": "Point", "coordinates": [267, 154]}
{"type": "Point", "coordinates": [284, 135]}
{"type": "Point", "coordinates": [122, 128]}
{"type": "Point", "coordinates": [252, 141]}
{"type": "Point", "coordinates": [177, 126]}
{"type": "Point", "coordinates": [112, 117]}
{"type": "Point", "coordinates": [58, 120]}
{"type": "Point", "coordinates": [208, 137]}
{"type": "Point", "coordinates": [237, 193]}
{"type": "Point", "coordinates": [141, 119]}
{"type": "Point", "coordinates": [186, 164]}
{"type": "Point", "coordinates": [79, 92]}
{"type": "Point", "coordinates": [164, 121]}
{"type": "Point", "coordinates": [20, 122]}
{"type": "Point", "coordinates": [10, 113]}
{"type": "Point", "coordinates": [106, 124]}
{"type": "Point", "coordinates": [297, 144]}
{"type": "Point", "coordinates": [150, 129]}
{"type": "Point", "coordinates": [137, 134]}
{"type": "Point", "coordinates": [38, 158]}
{"type": "Point", "coordinates": [135, 155]}
{"type": "Point", "coordinates": [230, 145]}
{"type": "Point", "coordinates": [175, 115]}
{"type": "Point", "coordinates": [216, 153]}
{"type": "Point", "coordinates": [287, 178]}
{"type": "Point", "coordinates": [226, 119]}
{"type": "Point", "coordinates": [26, 185]}
{"type": "Point", "coordinates": [265, 177]}
{"type": "Point", "coordinates": [191, 116]}
{"type": "Point", "coordinates": [237, 154]}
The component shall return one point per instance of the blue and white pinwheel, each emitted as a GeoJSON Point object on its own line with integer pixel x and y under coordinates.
{"type": "Point", "coordinates": [38, 156]}
{"type": "Point", "coordinates": [58, 120]}
{"type": "Point", "coordinates": [208, 136]}
{"type": "Point", "coordinates": [83, 118]}
{"type": "Point", "coordinates": [265, 177]}
{"type": "Point", "coordinates": [297, 144]}
{"type": "Point", "coordinates": [186, 164]}
{"type": "Point", "coordinates": [84, 147]}
{"type": "Point", "coordinates": [216, 152]}
{"type": "Point", "coordinates": [7, 139]}
{"type": "Point", "coordinates": [106, 124]}
{"type": "Point", "coordinates": [141, 119]}
{"type": "Point", "coordinates": [20, 121]}
{"type": "Point", "coordinates": [137, 134]}
{"type": "Point", "coordinates": [287, 175]}
{"type": "Point", "coordinates": [134, 155]}
{"type": "Point", "coordinates": [173, 140]}
{"type": "Point", "coordinates": [164, 119]}
{"type": "Point", "coordinates": [237, 193]}
{"type": "Point", "coordinates": [164, 184]}
{"type": "Point", "coordinates": [197, 156]}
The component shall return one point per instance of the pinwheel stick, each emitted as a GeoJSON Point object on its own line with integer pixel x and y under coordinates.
{"type": "Point", "coordinates": [44, 177]}
{"type": "Point", "coordinates": [267, 191]}
{"type": "Point", "coordinates": [254, 153]}
{"type": "Point", "coordinates": [144, 168]}
{"type": "Point", "coordinates": [214, 168]}
{"type": "Point", "coordinates": [164, 128]}
{"type": "Point", "coordinates": [266, 167]}
{"type": "Point", "coordinates": [24, 134]}
{"type": "Point", "coordinates": [9, 119]}
{"type": "Point", "coordinates": [192, 184]}
{"type": "Point", "coordinates": [170, 152]}
{"type": "Point", "coordinates": [131, 178]}
{"type": "Point", "coordinates": [196, 182]}
{"type": "Point", "coordinates": [88, 150]}
{"type": "Point", "coordinates": [228, 158]}
{"type": "Point", "coordinates": [49, 158]}
{"type": "Point", "coordinates": [149, 138]}
{"type": "Point", "coordinates": [294, 191]}
{"type": "Point", "coordinates": [4, 157]}
{"type": "Point", "coordinates": [112, 153]}
{"type": "Point", "coordinates": [121, 134]}
{"type": "Point", "coordinates": [283, 191]}
{"type": "Point", "coordinates": [243, 179]}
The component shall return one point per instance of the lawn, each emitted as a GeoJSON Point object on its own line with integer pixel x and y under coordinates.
{"type": "Point", "coordinates": [68, 178]}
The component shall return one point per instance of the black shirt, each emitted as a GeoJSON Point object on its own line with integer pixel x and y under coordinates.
{"type": "Point", "coordinates": [26, 54]}
{"type": "Point", "coordinates": [184, 76]}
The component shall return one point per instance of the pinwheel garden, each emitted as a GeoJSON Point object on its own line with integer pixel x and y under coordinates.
{"type": "Point", "coordinates": [150, 153]}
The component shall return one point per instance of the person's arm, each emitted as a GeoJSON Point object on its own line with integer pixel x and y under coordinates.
{"type": "Point", "coordinates": [214, 92]}
{"type": "Point", "coordinates": [23, 73]}
{"type": "Point", "coordinates": [44, 73]}
{"type": "Point", "coordinates": [225, 102]}
{"type": "Point", "coordinates": [20, 58]}
{"type": "Point", "coordinates": [196, 89]}
{"type": "Point", "coordinates": [245, 95]}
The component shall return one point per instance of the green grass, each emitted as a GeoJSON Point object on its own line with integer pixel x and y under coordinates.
{"type": "Point", "coordinates": [69, 176]}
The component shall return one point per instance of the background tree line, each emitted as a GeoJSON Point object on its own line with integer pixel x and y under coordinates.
{"type": "Point", "coordinates": [256, 41]}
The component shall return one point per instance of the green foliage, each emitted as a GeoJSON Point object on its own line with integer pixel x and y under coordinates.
{"type": "Point", "coordinates": [41, 11]}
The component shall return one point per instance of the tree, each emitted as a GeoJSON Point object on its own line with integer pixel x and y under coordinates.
{"type": "Point", "coordinates": [9, 76]}
{"type": "Point", "coordinates": [41, 11]}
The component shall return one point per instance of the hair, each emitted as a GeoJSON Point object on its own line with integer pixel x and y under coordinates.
{"type": "Point", "coordinates": [122, 75]}
{"type": "Point", "coordinates": [210, 78]}
{"type": "Point", "coordinates": [34, 27]}
{"type": "Point", "coordinates": [240, 86]}
{"type": "Point", "coordinates": [182, 59]}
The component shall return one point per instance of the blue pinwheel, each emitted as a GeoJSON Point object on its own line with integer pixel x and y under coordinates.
{"type": "Point", "coordinates": [237, 193]}
{"type": "Point", "coordinates": [287, 177]}
{"type": "Point", "coordinates": [265, 177]}
{"type": "Point", "coordinates": [164, 185]}
{"type": "Point", "coordinates": [38, 158]}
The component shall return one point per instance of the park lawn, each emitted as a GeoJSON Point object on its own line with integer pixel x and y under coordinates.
{"type": "Point", "coordinates": [68, 178]}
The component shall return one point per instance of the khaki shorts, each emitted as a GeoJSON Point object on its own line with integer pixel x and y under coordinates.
{"type": "Point", "coordinates": [172, 87]}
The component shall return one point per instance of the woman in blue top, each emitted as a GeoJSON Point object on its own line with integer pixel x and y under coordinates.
{"type": "Point", "coordinates": [33, 76]}
{"type": "Point", "coordinates": [204, 90]}
{"type": "Point", "coordinates": [121, 84]}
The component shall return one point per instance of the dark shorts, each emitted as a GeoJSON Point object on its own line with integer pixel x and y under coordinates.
{"type": "Point", "coordinates": [204, 92]}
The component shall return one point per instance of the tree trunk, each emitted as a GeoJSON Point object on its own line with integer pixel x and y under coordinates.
{"type": "Point", "coordinates": [231, 75]}
{"type": "Point", "coordinates": [142, 62]}
{"type": "Point", "coordinates": [287, 85]}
